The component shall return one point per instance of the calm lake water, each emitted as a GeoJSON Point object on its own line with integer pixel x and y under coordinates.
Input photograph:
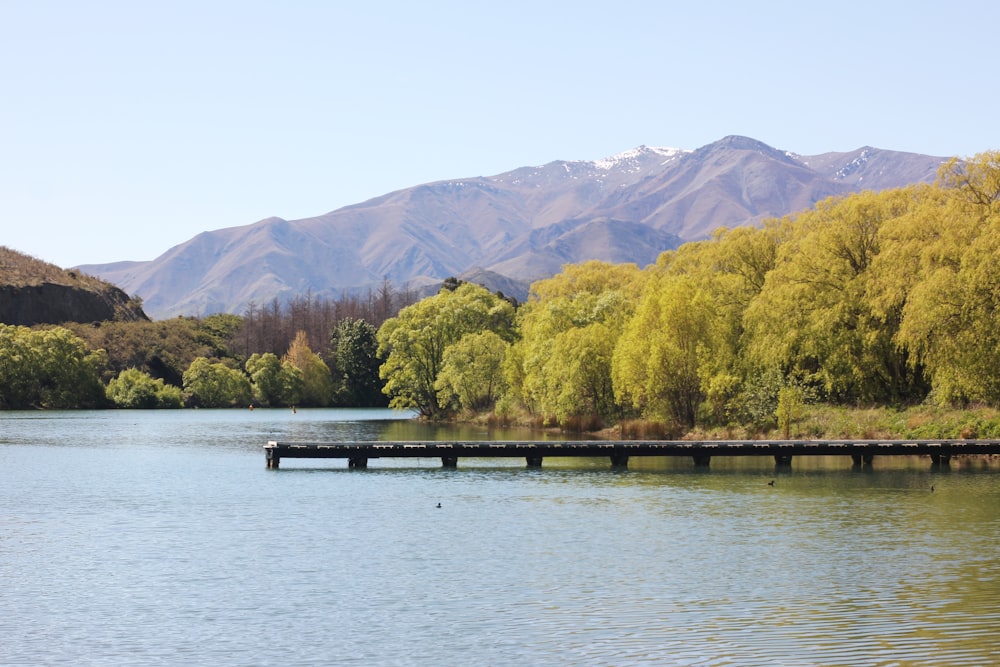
{"type": "Point", "coordinates": [159, 538]}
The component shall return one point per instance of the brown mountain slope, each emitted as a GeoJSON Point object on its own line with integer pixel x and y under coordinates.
{"type": "Point", "coordinates": [521, 225]}
{"type": "Point", "coordinates": [36, 292]}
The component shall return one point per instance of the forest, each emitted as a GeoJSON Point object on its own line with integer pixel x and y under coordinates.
{"type": "Point", "coordinates": [874, 299]}
{"type": "Point", "coordinates": [309, 351]}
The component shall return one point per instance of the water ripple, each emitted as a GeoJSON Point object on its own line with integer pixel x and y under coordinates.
{"type": "Point", "coordinates": [190, 552]}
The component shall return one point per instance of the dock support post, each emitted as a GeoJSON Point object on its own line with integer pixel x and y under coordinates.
{"type": "Point", "coordinates": [272, 461]}
{"type": "Point", "coordinates": [783, 460]}
{"type": "Point", "coordinates": [619, 460]}
{"type": "Point", "coordinates": [534, 461]}
{"type": "Point", "coordinates": [860, 460]}
{"type": "Point", "coordinates": [449, 461]}
{"type": "Point", "coordinates": [701, 460]}
{"type": "Point", "coordinates": [358, 462]}
{"type": "Point", "coordinates": [941, 460]}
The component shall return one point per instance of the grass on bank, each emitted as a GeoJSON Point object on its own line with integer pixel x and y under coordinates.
{"type": "Point", "coordinates": [814, 422]}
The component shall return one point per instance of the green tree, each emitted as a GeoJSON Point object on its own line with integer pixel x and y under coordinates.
{"type": "Point", "coordinates": [561, 366]}
{"type": "Point", "coordinates": [413, 343]}
{"type": "Point", "coordinates": [135, 389]}
{"type": "Point", "coordinates": [18, 386]}
{"type": "Point", "coordinates": [940, 276]}
{"type": "Point", "coordinates": [471, 375]}
{"type": "Point", "coordinates": [48, 368]}
{"type": "Point", "coordinates": [274, 382]}
{"type": "Point", "coordinates": [579, 380]}
{"type": "Point", "coordinates": [729, 271]}
{"type": "Point", "coordinates": [215, 385]}
{"type": "Point", "coordinates": [658, 361]}
{"type": "Point", "coordinates": [69, 373]}
{"type": "Point", "coordinates": [816, 318]}
{"type": "Point", "coordinates": [354, 345]}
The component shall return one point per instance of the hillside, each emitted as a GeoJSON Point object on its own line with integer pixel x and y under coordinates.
{"type": "Point", "coordinates": [36, 292]}
{"type": "Point", "coordinates": [513, 228]}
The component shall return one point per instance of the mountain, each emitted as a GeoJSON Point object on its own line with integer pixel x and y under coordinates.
{"type": "Point", "coordinates": [511, 229]}
{"type": "Point", "coordinates": [36, 292]}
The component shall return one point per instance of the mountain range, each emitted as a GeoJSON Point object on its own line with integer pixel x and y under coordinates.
{"type": "Point", "coordinates": [508, 230]}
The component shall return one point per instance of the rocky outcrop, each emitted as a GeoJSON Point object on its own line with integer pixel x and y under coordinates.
{"type": "Point", "coordinates": [52, 303]}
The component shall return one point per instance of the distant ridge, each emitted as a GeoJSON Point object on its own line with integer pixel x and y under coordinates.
{"type": "Point", "coordinates": [510, 229]}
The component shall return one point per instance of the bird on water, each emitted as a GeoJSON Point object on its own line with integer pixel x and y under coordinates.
{"type": "Point", "coordinates": [771, 483]}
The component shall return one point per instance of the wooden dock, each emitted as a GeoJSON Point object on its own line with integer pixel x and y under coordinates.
{"type": "Point", "coordinates": [618, 452]}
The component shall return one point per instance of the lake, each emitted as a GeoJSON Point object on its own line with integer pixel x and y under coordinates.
{"type": "Point", "coordinates": [160, 538]}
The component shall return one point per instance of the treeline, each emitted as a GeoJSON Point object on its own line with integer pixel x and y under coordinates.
{"type": "Point", "coordinates": [309, 351]}
{"type": "Point", "coordinates": [885, 298]}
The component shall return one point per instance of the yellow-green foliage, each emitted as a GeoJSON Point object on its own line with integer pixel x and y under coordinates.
{"type": "Point", "coordinates": [561, 366]}
{"type": "Point", "coordinates": [48, 368]}
{"type": "Point", "coordinates": [316, 387]}
{"type": "Point", "coordinates": [875, 298]}
{"type": "Point", "coordinates": [414, 343]}
{"type": "Point", "coordinates": [471, 373]}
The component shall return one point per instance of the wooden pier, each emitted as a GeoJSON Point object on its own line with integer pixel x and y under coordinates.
{"type": "Point", "coordinates": [618, 452]}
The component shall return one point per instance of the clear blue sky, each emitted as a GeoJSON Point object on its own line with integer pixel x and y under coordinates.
{"type": "Point", "coordinates": [128, 127]}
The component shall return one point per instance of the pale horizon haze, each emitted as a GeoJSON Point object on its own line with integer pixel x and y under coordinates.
{"type": "Point", "coordinates": [128, 128]}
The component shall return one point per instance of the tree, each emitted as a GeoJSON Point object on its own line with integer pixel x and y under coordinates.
{"type": "Point", "coordinates": [940, 277]}
{"type": "Point", "coordinates": [730, 271]}
{"type": "Point", "coordinates": [816, 318]}
{"type": "Point", "coordinates": [579, 373]}
{"type": "Point", "coordinates": [49, 368]}
{"type": "Point", "coordinates": [135, 389]}
{"type": "Point", "coordinates": [657, 363]}
{"type": "Point", "coordinates": [215, 385]}
{"type": "Point", "coordinates": [317, 383]}
{"type": "Point", "coordinates": [17, 360]}
{"type": "Point", "coordinates": [274, 382]}
{"type": "Point", "coordinates": [471, 373]}
{"type": "Point", "coordinates": [413, 343]}
{"type": "Point", "coordinates": [561, 366]}
{"type": "Point", "coordinates": [354, 346]}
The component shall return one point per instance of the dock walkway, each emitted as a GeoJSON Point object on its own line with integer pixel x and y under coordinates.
{"type": "Point", "coordinates": [618, 451]}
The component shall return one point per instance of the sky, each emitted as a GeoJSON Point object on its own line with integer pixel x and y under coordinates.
{"type": "Point", "coordinates": [127, 128]}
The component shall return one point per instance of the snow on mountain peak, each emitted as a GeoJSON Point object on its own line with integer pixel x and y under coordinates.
{"type": "Point", "coordinates": [636, 153]}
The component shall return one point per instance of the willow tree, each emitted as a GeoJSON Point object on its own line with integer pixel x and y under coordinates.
{"type": "Point", "coordinates": [816, 319]}
{"type": "Point", "coordinates": [275, 382]}
{"type": "Point", "coordinates": [135, 389]}
{"type": "Point", "coordinates": [940, 274]}
{"type": "Point", "coordinates": [414, 342]}
{"type": "Point", "coordinates": [561, 366]}
{"type": "Point", "coordinates": [471, 375]}
{"type": "Point", "coordinates": [657, 361]}
{"type": "Point", "coordinates": [48, 368]}
{"type": "Point", "coordinates": [215, 385]}
{"type": "Point", "coordinates": [731, 269]}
